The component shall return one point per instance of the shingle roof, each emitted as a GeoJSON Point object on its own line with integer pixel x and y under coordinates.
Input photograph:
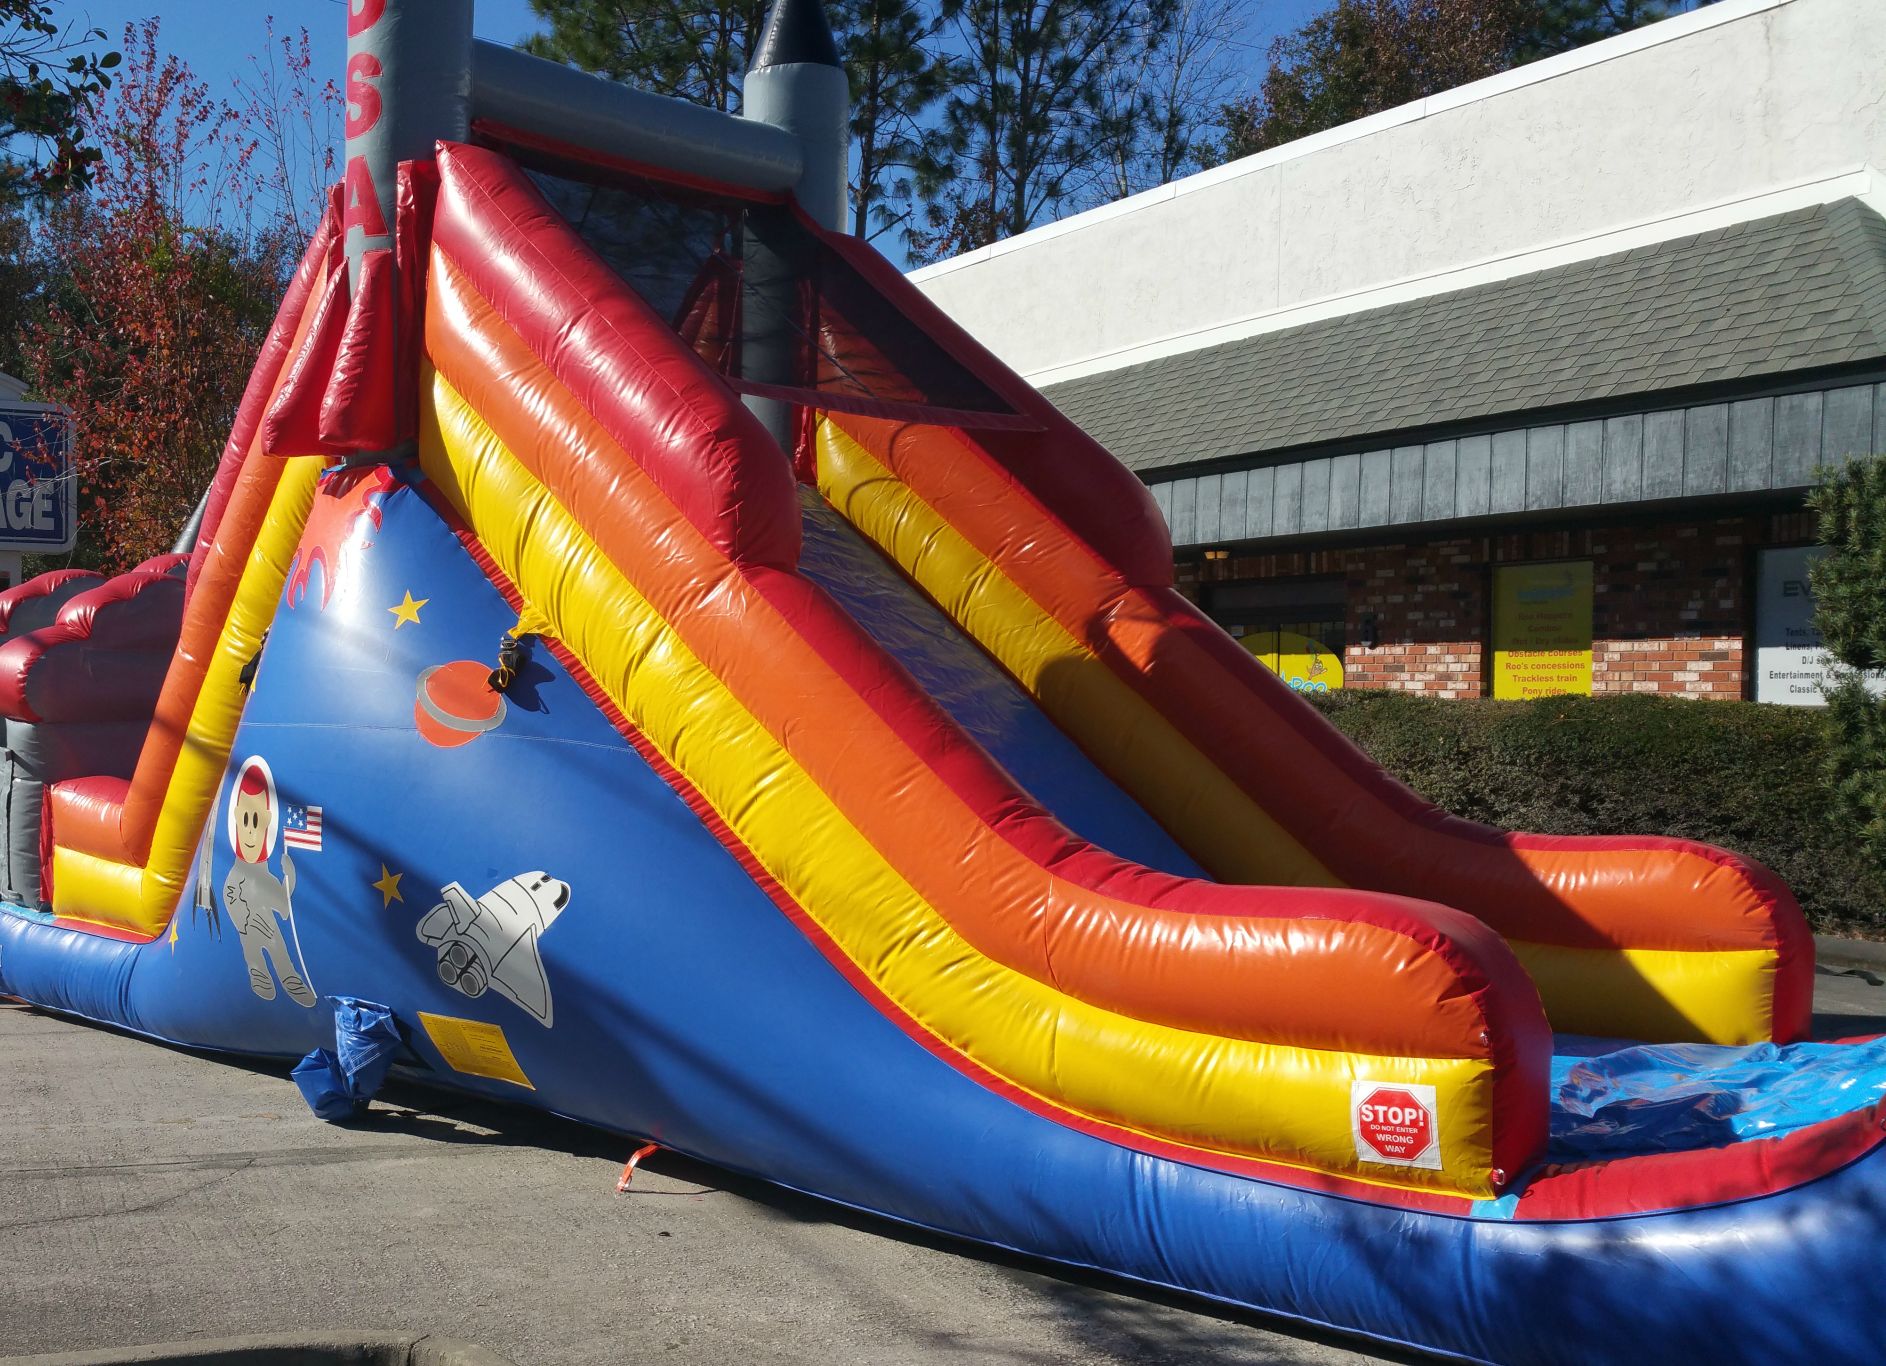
{"type": "Point", "coordinates": [1793, 292]}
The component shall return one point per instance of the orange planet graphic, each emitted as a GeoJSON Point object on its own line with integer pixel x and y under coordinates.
{"type": "Point", "coordinates": [456, 703]}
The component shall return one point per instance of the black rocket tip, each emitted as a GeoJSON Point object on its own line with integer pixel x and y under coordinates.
{"type": "Point", "coordinates": [796, 31]}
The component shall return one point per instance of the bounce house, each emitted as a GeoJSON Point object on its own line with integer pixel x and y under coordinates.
{"type": "Point", "coordinates": [645, 660]}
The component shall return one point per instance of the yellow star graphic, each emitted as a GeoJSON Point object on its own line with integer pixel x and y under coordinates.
{"type": "Point", "coordinates": [408, 610]}
{"type": "Point", "coordinates": [173, 934]}
{"type": "Point", "coordinates": [388, 886]}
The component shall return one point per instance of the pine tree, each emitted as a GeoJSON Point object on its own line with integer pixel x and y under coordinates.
{"type": "Point", "coordinates": [1028, 123]}
{"type": "Point", "coordinates": [1850, 611]}
{"type": "Point", "coordinates": [47, 78]}
{"type": "Point", "coordinates": [1550, 26]}
{"type": "Point", "coordinates": [19, 284]}
{"type": "Point", "coordinates": [1166, 97]}
{"type": "Point", "coordinates": [889, 52]}
{"type": "Point", "coordinates": [695, 50]}
{"type": "Point", "coordinates": [1360, 57]}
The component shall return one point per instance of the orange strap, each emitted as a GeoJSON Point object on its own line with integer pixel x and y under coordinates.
{"type": "Point", "coordinates": [628, 1172]}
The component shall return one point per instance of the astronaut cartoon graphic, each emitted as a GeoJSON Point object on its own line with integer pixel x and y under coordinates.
{"type": "Point", "coordinates": [492, 942]}
{"type": "Point", "coordinates": [256, 900]}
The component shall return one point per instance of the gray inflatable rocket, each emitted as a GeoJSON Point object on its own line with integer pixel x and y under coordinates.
{"type": "Point", "coordinates": [492, 942]}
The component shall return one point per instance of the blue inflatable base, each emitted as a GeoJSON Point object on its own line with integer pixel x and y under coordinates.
{"type": "Point", "coordinates": [660, 993]}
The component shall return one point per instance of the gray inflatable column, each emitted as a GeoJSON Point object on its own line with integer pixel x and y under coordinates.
{"type": "Point", "coordinates": [408, 85]}
{"type": "Point", "coordinates": [795, 83]}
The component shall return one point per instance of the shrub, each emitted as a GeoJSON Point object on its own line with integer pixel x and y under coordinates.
{"type": "Point", "coordinates": [1849, 503]}
{"type": "Point", "coordinates": [1741, 775]}
{"type": "Point", "coordinates": [1855, 765]}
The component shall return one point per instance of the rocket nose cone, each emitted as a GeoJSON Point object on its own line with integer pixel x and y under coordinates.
{"type": "Point", "coordinates": [796, 31]}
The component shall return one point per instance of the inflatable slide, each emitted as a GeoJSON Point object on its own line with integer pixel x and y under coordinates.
{"type": "Point", "coordinates": [643, 654]}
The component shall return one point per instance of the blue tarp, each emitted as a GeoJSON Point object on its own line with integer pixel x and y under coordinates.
{"type": "Point", "coordinates": [1612, 1099]}
{"type": "Point", "coordinates": [337, 1083]}
{"type": "Point", "coordinates": [324, 1086]}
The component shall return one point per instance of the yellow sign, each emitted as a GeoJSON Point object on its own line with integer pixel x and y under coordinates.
{"type": "Point", "coordinates": [1542, 630]}
{"type": "Point", "coordinates": [475, 1048]}
{"type": "Point", "coordinates": [1305, 664]}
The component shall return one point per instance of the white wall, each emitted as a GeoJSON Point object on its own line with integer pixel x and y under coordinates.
{"type": "Point", "coordinates": [1736, 111]}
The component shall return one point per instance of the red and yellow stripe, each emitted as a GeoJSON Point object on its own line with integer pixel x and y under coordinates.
{"type": "Point", "coordinates": [1214, 1017]}
{"type": "Point", "coordinates": [1643, 937]}
{"type": "Point", "coordinates": [122, 866]}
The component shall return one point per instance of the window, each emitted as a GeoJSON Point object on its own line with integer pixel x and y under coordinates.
{"type": "Point", "coordinates": [1295, 627]}
{"type": "Point", "coordinates": [1542, 629]}
{"type": "Point", "coordinates": [1792, 665]}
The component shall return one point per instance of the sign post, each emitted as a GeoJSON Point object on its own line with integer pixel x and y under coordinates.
{"type": "Point", "coordinates": [38, 487]}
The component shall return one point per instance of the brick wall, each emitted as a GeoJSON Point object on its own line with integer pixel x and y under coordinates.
{"type": "Point", "coordinates": [1669, 601]}
{"type": "Point", "coordinates": [1428, 602]}
{"type": "Point", "coordinates": [1669, 607]}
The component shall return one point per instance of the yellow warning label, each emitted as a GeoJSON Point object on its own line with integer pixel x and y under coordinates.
{"type": "Point", "coordinates": [475, 1048]}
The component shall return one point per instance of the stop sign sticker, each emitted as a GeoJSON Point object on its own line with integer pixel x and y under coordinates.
{"type": "Point", "coordinates": [1395, 1123]}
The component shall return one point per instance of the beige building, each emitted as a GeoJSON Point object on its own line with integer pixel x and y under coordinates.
{"type": "Point", "coordinates": [1517, 388]}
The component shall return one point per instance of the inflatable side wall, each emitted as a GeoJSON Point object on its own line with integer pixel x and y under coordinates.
{"type": "Point", "coordinates": [1634, 936]}
{"type": "Point", "coordinates": [629, 498]}
{"type": "Point", "coordinates": [121, 849]}
{"type": "Point", "coordinates": [527, 688]}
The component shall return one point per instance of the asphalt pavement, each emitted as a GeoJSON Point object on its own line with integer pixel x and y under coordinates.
{"type": "Point", "coordinates": [152, 1195]}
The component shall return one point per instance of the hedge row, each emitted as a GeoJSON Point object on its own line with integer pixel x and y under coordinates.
{"type": "Point", "coordinates": [1741, 775]}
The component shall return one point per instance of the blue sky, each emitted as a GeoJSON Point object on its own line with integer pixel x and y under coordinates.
{"type": "Point", "coordinates": [216, 37]}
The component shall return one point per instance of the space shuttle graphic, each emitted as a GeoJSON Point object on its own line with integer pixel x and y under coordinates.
{"type": "Point", "coordinates": [492, 942]}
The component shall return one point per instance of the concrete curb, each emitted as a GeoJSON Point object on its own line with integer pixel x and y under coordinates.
{"type": "Point", "coordinates": [339, 1349]}
{"type": "Point", "coordinates": [1835, 952]}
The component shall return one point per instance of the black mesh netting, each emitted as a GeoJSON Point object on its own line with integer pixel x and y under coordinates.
{"type": "Point", "coordinates": [761, 299]}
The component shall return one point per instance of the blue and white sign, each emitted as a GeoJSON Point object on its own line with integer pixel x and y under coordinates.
{"type": "Point", "coordinates": [38, 487]}
{"type": "Point", "coordinates": [1792, 665]}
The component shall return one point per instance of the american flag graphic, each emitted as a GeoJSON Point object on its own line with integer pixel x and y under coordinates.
{"type": "Point", "coordinates": [301, 827]}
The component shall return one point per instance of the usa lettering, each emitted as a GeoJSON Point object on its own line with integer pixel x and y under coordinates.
{"type": "Point", "coordinates": [360, 197]}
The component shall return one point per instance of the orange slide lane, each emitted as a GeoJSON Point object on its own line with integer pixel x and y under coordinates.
{"type": "Point", "coordinates": [1636, 893]}
{"type": "Point", "coordinates": [619, 485]}
{"type": "Point", "coordinates": [1191, 967]}
{"type": "Point", "coordinates": [123, 832]}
